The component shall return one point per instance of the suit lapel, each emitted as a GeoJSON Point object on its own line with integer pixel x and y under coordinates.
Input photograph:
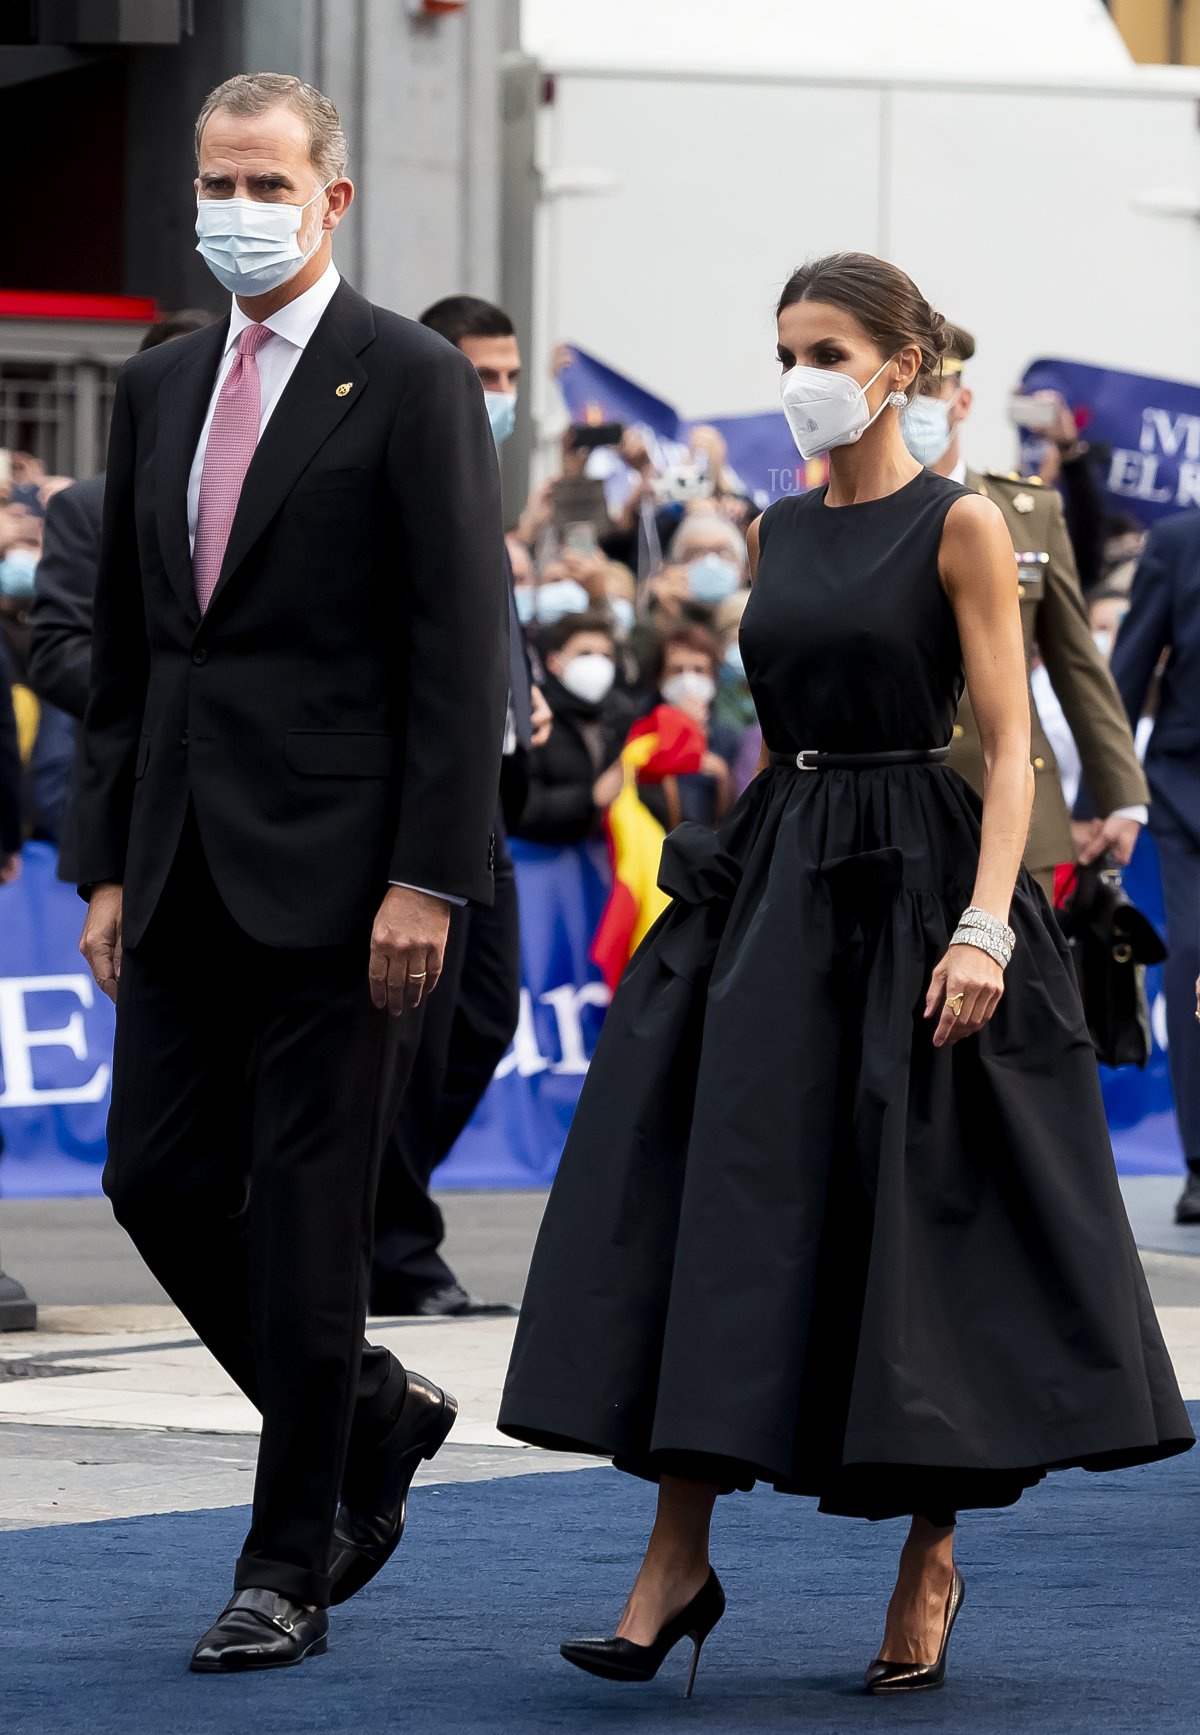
{"type": "Point", "coordinates": [183, 398]}
{"type": "Point", "coordinates": [326, 384]}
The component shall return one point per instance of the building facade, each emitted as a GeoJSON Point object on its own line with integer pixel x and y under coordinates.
{"type": "Point", "coordinates": [98, 103]}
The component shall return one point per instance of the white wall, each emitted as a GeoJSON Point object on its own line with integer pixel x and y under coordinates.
{"type": "Point", "coordinates": [420, 104]}
{"type": "Point", "coordinates": [1016, 212]}
{"type": "Point", "coordinates": [1074, 37]}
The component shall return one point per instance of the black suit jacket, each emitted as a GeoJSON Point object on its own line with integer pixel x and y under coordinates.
{"type": "Point", "coordinates": [1164, 612]}
{"type": "Point", "coordinates": [337, 716]}
{"type": "Point", "coordinates": [60, 618]}
{"type": "Point", "coordinates": [60, 626]}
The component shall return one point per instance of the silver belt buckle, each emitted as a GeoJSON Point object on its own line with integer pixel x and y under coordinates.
{"type": "Point", "coordinates": [802, 755]}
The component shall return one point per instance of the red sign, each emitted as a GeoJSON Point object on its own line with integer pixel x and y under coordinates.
{"type": "Point", "coordinates": [50, 304]}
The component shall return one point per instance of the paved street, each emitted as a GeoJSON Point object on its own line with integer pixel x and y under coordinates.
{"type": "Point", "coordinates": [127, 1413]}
{"type": "Point", "coordinates": [70, 1253]}
{"type": "Point", "coordinates": [112, 1408]}
{"type": "Point", "coordinates": [127, 1461]}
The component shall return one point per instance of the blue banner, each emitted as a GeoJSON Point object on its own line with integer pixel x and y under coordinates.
{"type": "Point", "coordinates": [1151, 425]}
{"type": "Point", "coordinates": [517, 1134]}
{"type": "Point", "coordinates": [56, 1034]}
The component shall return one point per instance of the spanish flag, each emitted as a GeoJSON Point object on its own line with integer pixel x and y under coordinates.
{"type": "Point", "coordinates": [664, 744]}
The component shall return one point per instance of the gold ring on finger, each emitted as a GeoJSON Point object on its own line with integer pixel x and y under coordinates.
{"type": "Point", "coordinates": [955, 1004]}
{"type": "Point", "coordinates": [417, 975]}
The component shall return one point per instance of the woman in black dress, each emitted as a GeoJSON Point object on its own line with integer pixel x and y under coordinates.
{"type": "Point", "coordinates": [838, 1209]}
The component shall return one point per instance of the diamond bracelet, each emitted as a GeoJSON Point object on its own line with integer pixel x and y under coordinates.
{"type": "Point", "coordinates": [979, 928]}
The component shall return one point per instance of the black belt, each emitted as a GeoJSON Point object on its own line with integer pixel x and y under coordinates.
{"type": "Point", "coordinates": [813, 760]}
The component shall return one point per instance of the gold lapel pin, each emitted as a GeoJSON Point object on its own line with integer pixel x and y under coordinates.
{"type": "Point", "coordinates": [344, 388]}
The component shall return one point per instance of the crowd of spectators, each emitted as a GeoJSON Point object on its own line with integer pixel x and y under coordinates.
{"type": "Point", "coordinates": [36, 740]}
{"type": "Point", "coordinates": [628, 608]}
{"type": "Point", "coordinates": [630, 580]}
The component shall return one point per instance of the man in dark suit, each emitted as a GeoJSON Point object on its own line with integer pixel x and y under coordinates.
{"type": "Point", "coordinates": [1164, 615]}
{"type": "Point", "coordinates": [471, 1023]}
{"type": "Point", "coordinates": [292, 747]}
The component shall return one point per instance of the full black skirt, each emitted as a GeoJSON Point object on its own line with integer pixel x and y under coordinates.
{"type": "Point", "coordinates": [790, 1240]}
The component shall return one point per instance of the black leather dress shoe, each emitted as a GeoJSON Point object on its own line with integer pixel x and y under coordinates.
{"type": "Point", "coordinates": [1187, 1208]}
{"type": "Point", "coordinates": [260, 1629]}
{"type": "Point", "coordinates": [370, 1519]}
{"type": "Point", "coordinates": [452, 1302]}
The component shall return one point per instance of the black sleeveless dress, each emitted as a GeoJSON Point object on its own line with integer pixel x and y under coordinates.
{"type": "Point", "coordinates": [790, 1239]}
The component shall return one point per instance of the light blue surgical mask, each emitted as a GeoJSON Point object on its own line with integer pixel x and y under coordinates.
{"type": "Point", "coordinates": [732, 662]}
{"type": "Point", "coordinates": [525, 598]}
{"type": "Point", "coordinates": [502, 414]}
{"type": "Point", "coordinates": [250, 245]}
{"type": "Point", "coordinates": [623, 612]}
{"type": "Point", "coordinates": [17, 571]}
{"type": "Point", "coordinates": [562, 596]}
{"type": "Point", "coordinates": [925, 425]}
{"type": "Point", "coordinates": [712, 578]}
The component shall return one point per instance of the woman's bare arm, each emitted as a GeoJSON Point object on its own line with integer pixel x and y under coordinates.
{"type": "Point", "coordinates": [978, 573]}
{"type": "Point", "coordinates": [752, 546]}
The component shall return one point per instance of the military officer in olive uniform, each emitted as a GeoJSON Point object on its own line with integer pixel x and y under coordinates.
{"type": "Point", "coordinates": [1055, 621]}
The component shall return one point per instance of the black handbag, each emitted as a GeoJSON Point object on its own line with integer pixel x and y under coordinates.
{"type": "Point", "coordinates": [1111, 943]}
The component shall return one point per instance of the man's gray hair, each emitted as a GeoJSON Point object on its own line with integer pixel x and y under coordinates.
{"type": "Point", "coordinates": [256, 92]}
{"type": "Point", "coordinates": [702, 524]}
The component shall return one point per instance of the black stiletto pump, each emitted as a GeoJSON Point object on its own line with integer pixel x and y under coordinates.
{"type": "Point", "coordinates": [919, 1677]}
{"type": "Point", "coordinates": [622, 1660]}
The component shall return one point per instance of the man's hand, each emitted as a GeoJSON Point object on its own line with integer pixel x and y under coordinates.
{"type": "Point", "coordinates": [633, 449]}
{"type": "Point", "coordinates": [587, 570]}
{"type": "Point", "coordinates": [541, 717]}
{"type": "Point", "coordinates": [408, 943]}
{"type": "Point", "coordinates": [1117, 836]}
{"type": "Point", "coordinates": [707, 441]}
{"type": "Point", "coordinates": [10, 868]}
{"type": "Point", "coordinates": [101, 941]}
{"type": "Point", "coordinates": [538, 513]}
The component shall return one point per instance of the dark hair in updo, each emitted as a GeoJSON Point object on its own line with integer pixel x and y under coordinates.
{"type": "Point", "coordinates": [883, 299]}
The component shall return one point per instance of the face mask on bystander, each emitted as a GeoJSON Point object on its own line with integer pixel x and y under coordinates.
{"type": "Point", "coordinates": [689, 685]}
{"type": "Point", "coordinates": [17, 571]}
{"type": "Point", "coordinates": [589, 677]}
{"type": "Point", "coordinates": [502, 414]}
{"type": "Point", "coordinates": [561, 596]}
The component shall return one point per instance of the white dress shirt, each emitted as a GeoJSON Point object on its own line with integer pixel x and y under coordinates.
{"type": "Point", "coordinates": [276, 357]}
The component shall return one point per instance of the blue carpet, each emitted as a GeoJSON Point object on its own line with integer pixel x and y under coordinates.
{"type": "Point", "coordinates": [1078, 1619]}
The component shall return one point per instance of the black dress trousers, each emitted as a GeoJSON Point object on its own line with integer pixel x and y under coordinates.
{"type": "Point", "coordinates": [1179, 864]}
{"type": "Point", "coordinates": [469, 1024]}
{"type": "Point", "coordinates": [253, 1087]}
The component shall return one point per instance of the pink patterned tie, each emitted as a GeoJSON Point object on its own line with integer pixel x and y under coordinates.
{"type": "Point", "coordinates": [232, 437]}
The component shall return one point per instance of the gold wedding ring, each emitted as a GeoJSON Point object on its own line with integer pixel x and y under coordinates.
{"type": "Point", "coordinates": [420, 975]}
{"type": "Point", "coordinates": [955, 1003]}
